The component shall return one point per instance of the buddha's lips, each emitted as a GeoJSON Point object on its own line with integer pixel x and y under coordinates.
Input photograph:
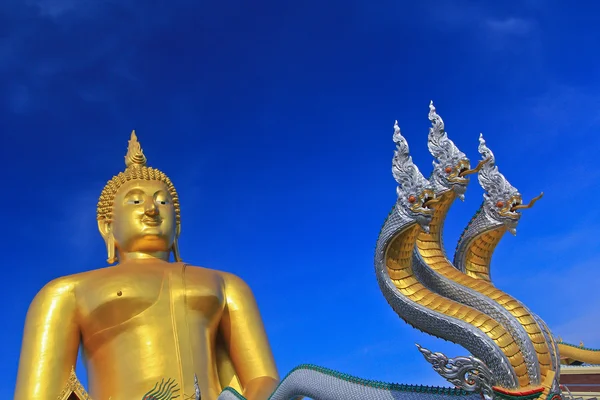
{"type": "Point", "coordinates": [152, 221]}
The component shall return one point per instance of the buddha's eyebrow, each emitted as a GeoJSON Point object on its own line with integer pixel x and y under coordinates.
{"type": "Point", "coordinates": [134, 192]}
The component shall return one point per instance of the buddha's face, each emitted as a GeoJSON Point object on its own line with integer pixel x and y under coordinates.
{"type": "Point", "coordinates": [143, 218]}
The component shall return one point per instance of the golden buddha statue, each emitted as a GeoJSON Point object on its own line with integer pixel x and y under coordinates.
{"type": "Point", "coordinates": [146, 319]}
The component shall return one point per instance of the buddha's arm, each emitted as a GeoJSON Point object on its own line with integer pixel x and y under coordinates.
{"type": "Point", "coordinates": [244, 335]}
{"type": "Point", "coordinates": [50, 343]}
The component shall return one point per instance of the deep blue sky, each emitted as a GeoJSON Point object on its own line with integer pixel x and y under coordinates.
{"type": "Point", "coordinates": [274, 120]}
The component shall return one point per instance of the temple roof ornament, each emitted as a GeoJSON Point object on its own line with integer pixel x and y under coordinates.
{"type": "Point", "coordinates": [73, 389]}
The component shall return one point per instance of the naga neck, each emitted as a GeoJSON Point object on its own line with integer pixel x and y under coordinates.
{"type": "Point", "coordinates": [477, 244]}
{"type": "Point", "coordinates": [430, 244]}
{"type": "Point", "coordinates": [398, 257]}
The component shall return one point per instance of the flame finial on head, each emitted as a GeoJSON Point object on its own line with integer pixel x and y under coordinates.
{"type": "Point", "coordinates": [490, 179]}
{"type": "Point", "coordinates": [486, 153]}
{"type": "Point", "coordinates": [451, 165]}
{"type": "Point", "coordinates": [500, 197]}
{"type": "Point", "coordinates": [415, 193]}
{"type": "Point", "coordinates": [135, 154]}
{"type": "Point", "coordinates": [405, 172]}
{"type": "Point", "coordinates": [439, 145]}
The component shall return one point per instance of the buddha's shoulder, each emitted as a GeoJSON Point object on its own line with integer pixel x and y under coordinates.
{"type": "Point", "coordinates": [67, 283]}
{"type": "Point", "coordinates": [229, 279]}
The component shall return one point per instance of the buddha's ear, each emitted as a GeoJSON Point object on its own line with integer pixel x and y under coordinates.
{"type": "Point", "coordinates": [105, 228]}
{"type": "Point", "coordinates": [175, 247]}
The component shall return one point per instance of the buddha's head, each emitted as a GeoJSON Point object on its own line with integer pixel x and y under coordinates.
{"type": "Point", "coordinates": [138, 211]}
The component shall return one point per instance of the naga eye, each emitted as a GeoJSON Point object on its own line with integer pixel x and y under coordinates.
{"type": "Point", "coordinates": [448, 170]}
{"type": "Point", "coordinates": [499, 204]}
{"type": "Point", "coordinates": [412, 199]}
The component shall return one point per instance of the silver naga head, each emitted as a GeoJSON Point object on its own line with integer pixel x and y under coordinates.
{"type": "Point", "coordinates": [502, 201]}
{"type": "Point", "coordinates": [452, 166]}
{"type": "Point", "coordinates": [415, 193]}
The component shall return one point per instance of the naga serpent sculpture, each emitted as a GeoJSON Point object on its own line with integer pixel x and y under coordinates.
{"type": "Point", "coordinates": [435, 270]}
{"type": "Point", "coordinates": [497, 215]}
{"type": "Point", "coordinates": [497, 367]}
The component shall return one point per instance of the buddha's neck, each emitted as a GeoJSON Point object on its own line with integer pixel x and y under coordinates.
{"type": "Point", "coordinates": [140, 256]}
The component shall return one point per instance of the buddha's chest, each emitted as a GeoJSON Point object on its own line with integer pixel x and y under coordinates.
{"type": "Point", "coordinates": [124, 299]}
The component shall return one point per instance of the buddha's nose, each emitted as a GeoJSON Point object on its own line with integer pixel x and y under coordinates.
{"type": "Point", "coordinates": [151, 209]}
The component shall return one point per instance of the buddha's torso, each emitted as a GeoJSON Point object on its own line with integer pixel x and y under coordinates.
{"type": "Point", "coordinates": [143, 324]}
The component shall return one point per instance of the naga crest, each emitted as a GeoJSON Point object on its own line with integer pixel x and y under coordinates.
{"type": "Point", "coordinates": [452, 164]}
{"type": "Point", "coordinates": [501, 199]}
{"type": "Point", "coordinates": [415, 193]}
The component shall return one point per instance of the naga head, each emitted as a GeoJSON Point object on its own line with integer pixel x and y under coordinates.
{"type": "Point", "coordinates": [502, 201]}
{"type": "Point", "coordinates": [452, 167]}
{"type": "Point", "coordinates": [415, 193]}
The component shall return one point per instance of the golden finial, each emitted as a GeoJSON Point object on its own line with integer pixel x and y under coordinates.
{"type": "Point", "coordinates": [135, 155]}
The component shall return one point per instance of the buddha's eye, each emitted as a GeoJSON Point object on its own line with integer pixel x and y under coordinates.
{"type": "Point", "coordinates": [162, 198]}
